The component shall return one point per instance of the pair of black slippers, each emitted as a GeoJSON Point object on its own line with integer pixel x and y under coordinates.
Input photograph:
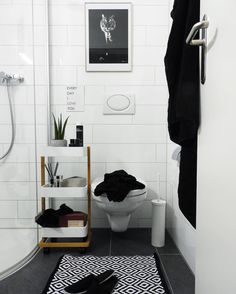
{"type": "Point", "coordinates": [103, 283]}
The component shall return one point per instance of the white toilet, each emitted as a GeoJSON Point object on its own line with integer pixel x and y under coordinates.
{"type": "Point", "coordinates": [119, 213]}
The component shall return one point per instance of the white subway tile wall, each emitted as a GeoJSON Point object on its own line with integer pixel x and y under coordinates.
{"type": "Point", "coordinates": [135, 143]}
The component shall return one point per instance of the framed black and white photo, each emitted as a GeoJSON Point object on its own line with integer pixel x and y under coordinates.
{"type": "Point", "coordinates": [108, 37]}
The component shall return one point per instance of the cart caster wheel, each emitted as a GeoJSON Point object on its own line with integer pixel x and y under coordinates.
{"type": "Point", "coordinates": [82, 250]}
{"type": "Point", "coordinates": [46, 250]}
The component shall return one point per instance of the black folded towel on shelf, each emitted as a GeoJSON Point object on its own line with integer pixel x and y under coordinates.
{"type": "Point", "coordinates": [50, 217]}
{"type": "Point", "coordinates": [117, 185]}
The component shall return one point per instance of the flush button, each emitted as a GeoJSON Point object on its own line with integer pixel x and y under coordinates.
{"type": "Point", "coordinates": [119, 104]}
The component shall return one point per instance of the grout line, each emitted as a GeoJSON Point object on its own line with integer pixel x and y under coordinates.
{"type": "Point", "coordinates": [164, 272]}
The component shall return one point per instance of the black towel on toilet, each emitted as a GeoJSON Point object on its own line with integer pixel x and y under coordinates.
{"type": "Point", "coordinates": [117, 185]}
{"type": "Point", "coordinates": [50, 217]}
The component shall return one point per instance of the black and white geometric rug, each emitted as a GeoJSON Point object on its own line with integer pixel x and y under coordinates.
{"type": "Point", "coordinates": [137, 274]}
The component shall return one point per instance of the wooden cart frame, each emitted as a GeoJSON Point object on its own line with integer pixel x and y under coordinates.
{"type": "Point", "coordinates": [46, 242]}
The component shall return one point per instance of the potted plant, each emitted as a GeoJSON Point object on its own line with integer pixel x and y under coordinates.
{"type": "Point", "coordinates": [59, 132]}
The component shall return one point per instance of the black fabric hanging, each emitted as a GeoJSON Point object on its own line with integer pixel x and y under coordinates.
{"type": "Point", "coordinates": [182, 71]}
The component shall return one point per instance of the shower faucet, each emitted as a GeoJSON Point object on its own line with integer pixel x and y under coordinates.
{"type": "Point", "coordinates": [4, 77]}
{"type": "Point", "coordinates": [7, 80]}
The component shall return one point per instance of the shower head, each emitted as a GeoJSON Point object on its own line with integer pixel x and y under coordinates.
{"type": "Point", "coordinates": [4, 77]}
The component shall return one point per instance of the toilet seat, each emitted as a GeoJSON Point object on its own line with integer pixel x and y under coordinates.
{"type": "Point", "coordinates": [132, 193]}
{"type": "Point", "coordinates": [119, 213]}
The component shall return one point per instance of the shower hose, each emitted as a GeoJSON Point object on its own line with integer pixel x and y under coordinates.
{"type": "Point", "coordinates": [12, 123]}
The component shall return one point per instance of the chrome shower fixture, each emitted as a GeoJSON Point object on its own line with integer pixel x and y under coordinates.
{"type": "Point", "coordinates": [6, 78]}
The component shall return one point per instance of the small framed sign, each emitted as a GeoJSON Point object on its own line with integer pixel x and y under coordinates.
{"type": "Point", "coordinates": [108, 37]}
{"type": "Point", "coordinates": [74, 98]}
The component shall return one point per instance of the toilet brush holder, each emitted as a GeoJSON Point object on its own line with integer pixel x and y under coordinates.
{"type": "Point", "coordinates": [158, 222]}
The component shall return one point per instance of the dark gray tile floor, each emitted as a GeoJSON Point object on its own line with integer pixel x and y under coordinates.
{"type": "Point", "coordinates": [32, 278]}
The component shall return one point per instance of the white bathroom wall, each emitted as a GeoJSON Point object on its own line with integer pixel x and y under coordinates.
{"type": "Point", "coordinates": [183, 234]}
{"type": "Point", "coordinates": [136, 143]}
{"type": "Point", "coordinates": [216, 218]}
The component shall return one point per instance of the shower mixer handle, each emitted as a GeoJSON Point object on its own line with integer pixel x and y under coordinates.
{"type": "Point", "coordinates": [18, 77]}
{"type": "Point", "coordinates": [4, 77]}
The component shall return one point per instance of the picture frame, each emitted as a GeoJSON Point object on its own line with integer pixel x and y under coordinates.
{"type": "Point", "coordinates": [108, 36]}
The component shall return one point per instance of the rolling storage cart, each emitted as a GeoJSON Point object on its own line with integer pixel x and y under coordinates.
{"type": "Point", "coordinates": [50, 235]}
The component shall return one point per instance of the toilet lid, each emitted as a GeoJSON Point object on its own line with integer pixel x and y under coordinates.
{"type": "Point", "coordinates": [131, 193]}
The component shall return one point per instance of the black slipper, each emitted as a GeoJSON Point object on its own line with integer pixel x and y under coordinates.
{"type": "Point", "coordinates": [105, 288]}
{"type": "Point", "coordinates": [82, 286]}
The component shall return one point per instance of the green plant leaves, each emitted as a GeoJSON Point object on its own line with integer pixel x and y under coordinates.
{"type": "Point", "coordinates": [59, 127]}
{"type": "Point", "coordinates": [55, 128]}
{"type": "Point", "coordinates": [64, 127]}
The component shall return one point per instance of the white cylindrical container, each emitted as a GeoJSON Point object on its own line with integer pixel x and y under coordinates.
{"type": "Point", "coordinates": [158, 222]}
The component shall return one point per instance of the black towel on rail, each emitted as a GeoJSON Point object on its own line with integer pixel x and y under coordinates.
{"type": "Point", "coordinates": [187, 181]}
{"type": "Point", "coordinates": [182, 71]}
{"type": "Point", "coordinates": [117, 185]}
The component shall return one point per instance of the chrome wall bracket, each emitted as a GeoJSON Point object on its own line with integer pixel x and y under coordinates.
{"type": "Point", "coordinates": [200, 26]}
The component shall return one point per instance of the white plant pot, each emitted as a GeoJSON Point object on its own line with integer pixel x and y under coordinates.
{"type": "Point", "coordinates": [59, 143]}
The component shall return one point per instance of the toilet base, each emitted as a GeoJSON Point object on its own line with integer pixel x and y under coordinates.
{"type": "Point", "coordinates": [118, 222]}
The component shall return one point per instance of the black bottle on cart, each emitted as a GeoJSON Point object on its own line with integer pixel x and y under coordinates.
{"type": "Point", "coordinates": [80, 135]}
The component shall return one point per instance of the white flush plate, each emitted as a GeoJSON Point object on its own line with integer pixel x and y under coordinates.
{"type": "Point", "coordinates": [119, 104]}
